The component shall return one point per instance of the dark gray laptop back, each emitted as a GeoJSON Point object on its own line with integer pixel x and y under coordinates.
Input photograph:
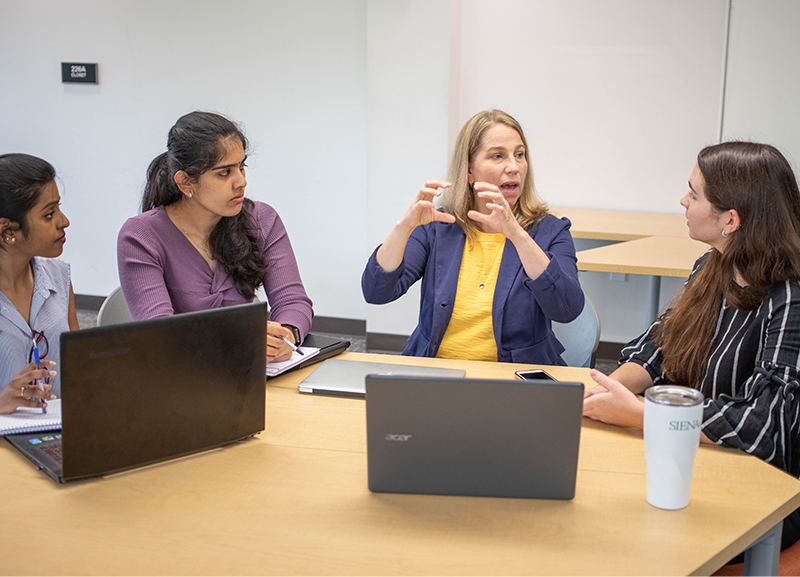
{"type": "Point", "coordinates": [139, 393]}
{"type": "Point", "coordinates": [478, 437]}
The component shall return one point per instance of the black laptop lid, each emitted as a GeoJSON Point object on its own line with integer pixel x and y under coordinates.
{"type": "Point", "coordinates": [477, 437]}
{"type": "Point", "coordinates": [142, 392]}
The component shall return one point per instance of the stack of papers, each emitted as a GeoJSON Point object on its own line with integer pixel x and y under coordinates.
{"type": "Point", "coordinates": [275, 369]}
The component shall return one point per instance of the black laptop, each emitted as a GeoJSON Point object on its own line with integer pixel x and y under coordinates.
{"type": "Point", "coordinates": [479, 437]}
{"type": "Point", "coordinates": [142, 392]}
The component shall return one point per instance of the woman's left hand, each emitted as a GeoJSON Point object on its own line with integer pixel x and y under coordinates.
{"type": "Point", "coordinates": [500, 218]}
{"type": "Point", "coordinates": [277, 349]}
{"type": "Point", "coordinates": [612, 402]}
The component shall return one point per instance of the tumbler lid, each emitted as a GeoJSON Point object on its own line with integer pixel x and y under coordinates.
{"type": "Point", "coordinates": [674, 395]}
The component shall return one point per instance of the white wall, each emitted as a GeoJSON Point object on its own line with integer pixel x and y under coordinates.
{"type": "Point", "coordinates": [294, 73]}
{"type": "Point", "coordinates": [763, 81]}
{"type": "Point", "coordinates": [408, 80]}
{"type": "Point", "coordinates": [350, 106]}
{"type": "Point", "coordinates": [616, 97]}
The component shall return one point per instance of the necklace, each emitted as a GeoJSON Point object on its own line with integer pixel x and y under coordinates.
{"type": "Point", "coordinates": [202, 248]}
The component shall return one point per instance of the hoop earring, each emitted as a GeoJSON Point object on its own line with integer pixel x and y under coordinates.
{"type": "Point", "coordinates": [723, 234]}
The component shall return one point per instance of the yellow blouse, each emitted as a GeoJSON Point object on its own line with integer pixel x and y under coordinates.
{"type": "Point", "coordinates": [470, 335]}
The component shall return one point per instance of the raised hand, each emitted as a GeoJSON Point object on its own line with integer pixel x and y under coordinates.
{"type": "Point", "coordinates": [422, 211]}
{"type": "Point", "coordinates": [496, 216]}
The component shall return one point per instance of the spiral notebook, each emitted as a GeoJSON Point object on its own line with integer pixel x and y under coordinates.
{"type": "Point", "coordinates": [27, 420]}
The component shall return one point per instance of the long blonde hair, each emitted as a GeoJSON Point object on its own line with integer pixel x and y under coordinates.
{"type": "Point", "coordinates": [459, 199]}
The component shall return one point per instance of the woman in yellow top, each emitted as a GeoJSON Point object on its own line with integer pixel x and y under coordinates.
{"type": "Point", "coordinates": [496, 267]}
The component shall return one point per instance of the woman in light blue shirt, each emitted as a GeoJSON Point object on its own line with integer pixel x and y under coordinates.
{"type": "Point", "coordinates": [36, 298]}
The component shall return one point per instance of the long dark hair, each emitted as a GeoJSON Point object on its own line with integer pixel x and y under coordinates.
{"type": "Point", "coordinates": [22, 179]}
{"type": "Point", "coordinates": [756, 181]}
{"type": "Point", "coordinates": [194, 145]}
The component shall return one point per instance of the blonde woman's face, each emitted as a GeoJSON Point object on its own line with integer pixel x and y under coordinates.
{"type": "Point", "coordinates": [500, 160]}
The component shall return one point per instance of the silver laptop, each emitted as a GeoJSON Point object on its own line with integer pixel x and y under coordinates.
{"type": "Point", "coordinates": [490, 438]}
{"type": "Point", "coordinates": [340, 377]}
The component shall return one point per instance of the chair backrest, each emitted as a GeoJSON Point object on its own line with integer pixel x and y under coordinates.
{"type": "Point", "coordinates": [580, 337]}
{"type": "Point", "coordinates": [114, 309]}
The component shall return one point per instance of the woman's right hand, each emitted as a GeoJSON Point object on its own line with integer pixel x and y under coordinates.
{"type": "Point", "coordinates": [20, 391]}
{"type": "Point", "coordinates": [422, 211]}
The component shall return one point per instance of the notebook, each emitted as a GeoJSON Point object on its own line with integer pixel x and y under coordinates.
{"type": "Point", "coordinates": [346, 378]}
{"type": "Point", "coordinates": [316, 348]}
{"type": "Point", "coordinates": [142, 392]}
{"type": "Point", "coordinates": [477, 437]}
{"type": "Point", "coordinates": [301, 354]}
{"type": "Point", "coordinates": [29, 420]}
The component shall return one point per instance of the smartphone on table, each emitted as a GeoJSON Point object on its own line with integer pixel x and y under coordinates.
{"type": "Point", "coordinates": [535, 375]}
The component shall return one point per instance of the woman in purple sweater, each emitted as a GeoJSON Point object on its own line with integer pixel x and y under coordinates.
{"type": "Point", "coordinates": [200, 244]}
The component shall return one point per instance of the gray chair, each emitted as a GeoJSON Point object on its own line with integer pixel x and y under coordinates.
{"type": "Point", "coordinates": [114, 309]}
{"type": "Point", "coordinates": [580, 337]}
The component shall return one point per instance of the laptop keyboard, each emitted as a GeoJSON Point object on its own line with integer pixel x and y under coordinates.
{"type": "Point", "coordinates": [51, 447]}
{"type": "Point", "coordinates": [54, 453]}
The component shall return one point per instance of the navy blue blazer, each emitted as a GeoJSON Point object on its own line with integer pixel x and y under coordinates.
{"type": "Point", "coordinates": [522, 308]}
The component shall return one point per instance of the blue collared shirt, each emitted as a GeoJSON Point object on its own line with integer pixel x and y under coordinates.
{"type": "Point", "coordinates": [49, 314]}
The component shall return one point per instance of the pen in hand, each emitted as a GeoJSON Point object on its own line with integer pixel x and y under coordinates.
{"type": "Point", "coordinates": [38, 382]}
{"type": "Point", "coordinates": [294, 348]}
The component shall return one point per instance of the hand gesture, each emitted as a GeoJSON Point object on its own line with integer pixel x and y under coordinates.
{"type": "Point", "coordinates": [21, 391]}
{"type": "Point", "coordinates": [423, 210]}
{"type": "Point", "coordinates": [500, 217]}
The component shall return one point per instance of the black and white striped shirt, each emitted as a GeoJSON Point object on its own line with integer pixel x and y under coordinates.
{"type": "Point", "coordinates": [751, 382]}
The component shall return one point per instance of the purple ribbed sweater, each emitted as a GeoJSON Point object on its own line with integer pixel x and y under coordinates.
{"type": "Point", "coordinates": [162, 273]}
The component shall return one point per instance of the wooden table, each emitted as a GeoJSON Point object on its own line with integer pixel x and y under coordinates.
{"type": "Point", "coordinates": [647, 243]}
{"type": "Point", "coordinates": [621, 225]}
{"type": "Point", "coordinates": [655, 255]}
{"type": "Point", "coordinates": [294, 500]}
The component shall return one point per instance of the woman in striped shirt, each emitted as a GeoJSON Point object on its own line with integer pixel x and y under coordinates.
{"type": "Point", "coordinates": [36, 299]}
{"type": "Point", "coordinates": [734, 333]}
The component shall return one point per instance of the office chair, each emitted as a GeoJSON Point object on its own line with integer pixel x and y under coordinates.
{"type": "Point", "coordinates": [580, 337]}
{"type": "Point", "coordinates": [114, 309]}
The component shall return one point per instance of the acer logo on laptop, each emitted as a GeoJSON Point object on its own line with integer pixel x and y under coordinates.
{"type": "Point", "coordinates": [393, 437]}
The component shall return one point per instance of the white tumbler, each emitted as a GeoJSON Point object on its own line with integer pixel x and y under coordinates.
{"type": "Point", "coordinates": [672, 419]}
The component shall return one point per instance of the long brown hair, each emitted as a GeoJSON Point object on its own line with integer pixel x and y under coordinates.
{"type": "Point", "coordinates": [459, 199]}
{"type": "Point", "coordinates": [756, 181]}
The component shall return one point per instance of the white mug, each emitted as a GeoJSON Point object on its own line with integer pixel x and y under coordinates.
{"type": "Point", "coordinates": [672, 419]}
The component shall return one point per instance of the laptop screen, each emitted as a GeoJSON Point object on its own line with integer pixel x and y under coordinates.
{"type": "Point", "coordinates": [142, 392]}
{"type": "Point", "coordinates": [475, 437]}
